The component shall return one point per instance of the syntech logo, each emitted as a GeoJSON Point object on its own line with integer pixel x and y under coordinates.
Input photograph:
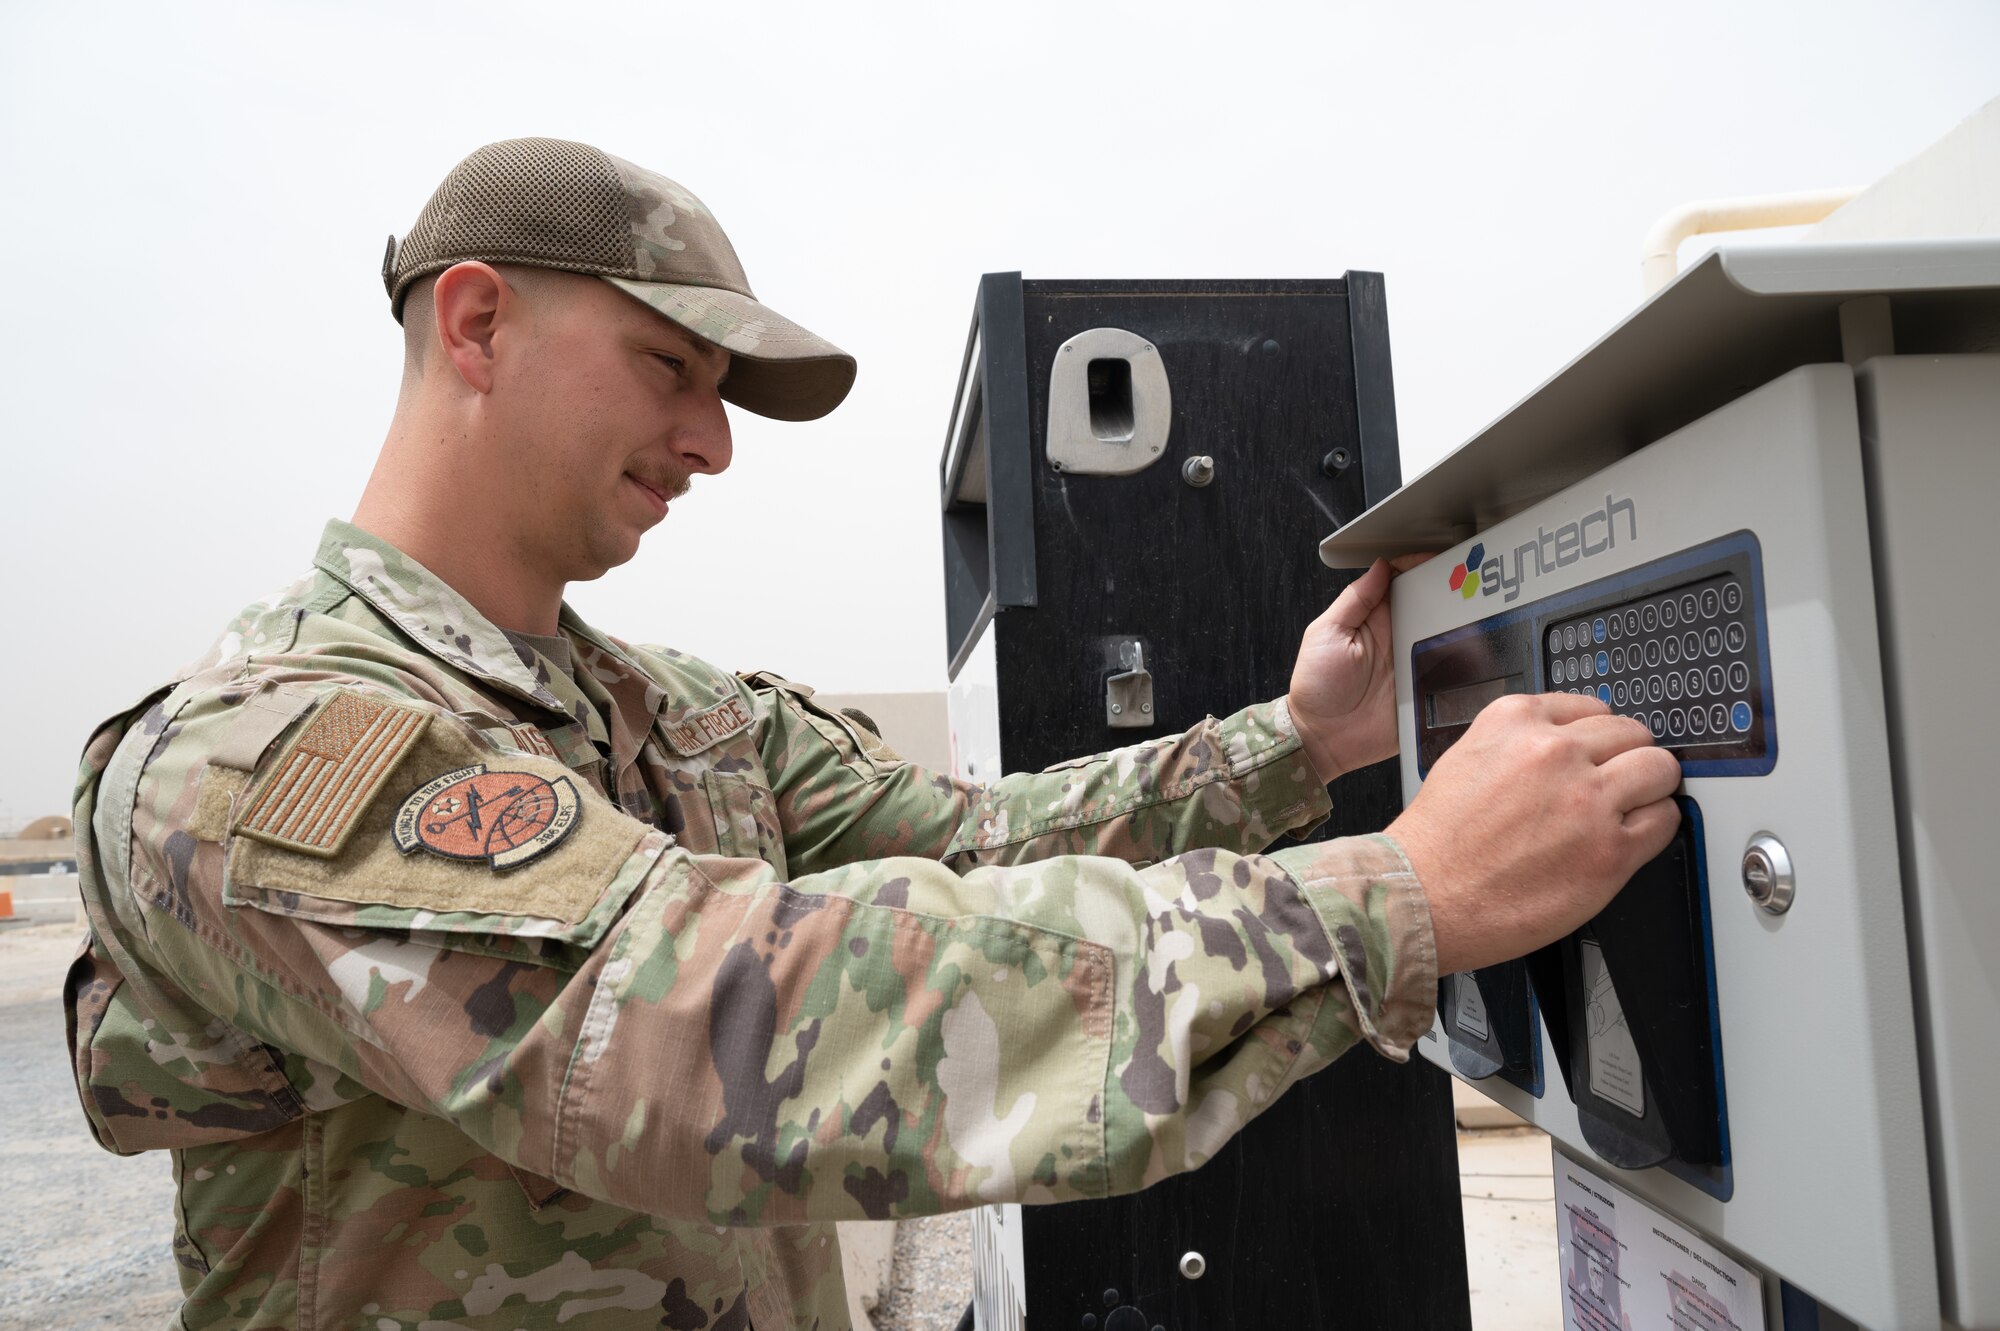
{"type": "Point", "coordinates": [1465, 578]}
{"type": "Point", "coordinates": [1592, 534]}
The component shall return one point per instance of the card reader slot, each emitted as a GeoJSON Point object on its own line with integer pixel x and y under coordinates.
{"type": "Point", "coordinates": [1489, 1021]}
{"type": "Point", "coordinates": [1544, 967]}
{"type": "Point", "coordinates": [1617, 1105]}
{"type": "Point", "coordinates": [1628, 1000]}
{"type": "Point", "coordinates": [1655, 947]}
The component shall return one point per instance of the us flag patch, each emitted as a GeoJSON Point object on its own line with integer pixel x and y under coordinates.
{"type": "Point", "coordinates": [326, 777]}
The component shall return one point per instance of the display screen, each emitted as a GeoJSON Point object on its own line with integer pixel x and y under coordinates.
{"type": "Point", "coordinates": [1457, 706]}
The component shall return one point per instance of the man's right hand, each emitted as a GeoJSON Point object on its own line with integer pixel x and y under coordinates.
{"type": "Point", "coordinates": [1532, 821]}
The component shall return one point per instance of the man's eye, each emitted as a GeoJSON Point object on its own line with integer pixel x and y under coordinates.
{"type": "Point", "coordinates": [674, 362]}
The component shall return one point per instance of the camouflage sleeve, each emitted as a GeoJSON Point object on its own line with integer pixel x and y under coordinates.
{"type": "Point", "coordinates": [1237, 784]}
{"type": "Point", "coordinates": [690, 1035]}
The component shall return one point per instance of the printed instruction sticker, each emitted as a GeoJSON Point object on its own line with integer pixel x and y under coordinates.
{"type": "Point", "coordinates": [1471, 1015]}
{"type": "Point", "coordinates": [1615, 1071]}
{"type": "Point", "coordinates": [1627, 1267]}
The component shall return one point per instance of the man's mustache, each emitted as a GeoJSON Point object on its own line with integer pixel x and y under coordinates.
{"type": "Point", "coordinates": [670, 484]}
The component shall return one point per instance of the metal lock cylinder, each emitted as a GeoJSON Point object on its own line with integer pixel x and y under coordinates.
{"type": "Point", "coordinates": [1767, 873]}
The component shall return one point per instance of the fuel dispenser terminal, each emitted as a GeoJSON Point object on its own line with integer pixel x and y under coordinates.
{"type": "Point", "coordinates": [1751, 517]}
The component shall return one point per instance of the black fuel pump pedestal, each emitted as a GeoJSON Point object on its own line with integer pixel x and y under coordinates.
{"type": "Point", "coordinates": [1134, 481]}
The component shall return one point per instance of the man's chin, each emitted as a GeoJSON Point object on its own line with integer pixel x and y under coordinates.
{"type": "Point", "coordinates": [603, 550]}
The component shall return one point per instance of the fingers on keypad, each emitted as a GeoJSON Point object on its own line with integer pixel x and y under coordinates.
{"type": "Point", "coordinates": [1678, 661]}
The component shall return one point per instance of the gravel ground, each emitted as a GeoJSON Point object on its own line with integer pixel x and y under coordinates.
{"type": "Point", "coordinates": [931, 1279]}
{"type": "Point", "coordinates": [95, 1249]}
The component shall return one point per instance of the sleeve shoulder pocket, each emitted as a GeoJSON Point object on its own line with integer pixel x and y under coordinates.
{"type": "Point", "coordinates": [390, 816]}
{"type": "Point", "coordinates": [858, 744]}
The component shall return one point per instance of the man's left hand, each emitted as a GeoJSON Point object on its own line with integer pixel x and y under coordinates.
{"type": "Point", "coordinates": [1343, 694]}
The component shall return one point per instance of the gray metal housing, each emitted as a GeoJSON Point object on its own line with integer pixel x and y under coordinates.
{"type": "Point", "coordinates": [1844, 401]}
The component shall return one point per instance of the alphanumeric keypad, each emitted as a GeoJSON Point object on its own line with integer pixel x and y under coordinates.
{"type": "Point", "coordinates": [1680, 661]}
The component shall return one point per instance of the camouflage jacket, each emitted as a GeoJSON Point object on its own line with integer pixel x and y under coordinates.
{"type": "Point", "coordinates": [471, 993]}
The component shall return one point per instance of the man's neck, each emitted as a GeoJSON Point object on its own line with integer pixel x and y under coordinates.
{"type": "Point", "coordinates": [442, 524]}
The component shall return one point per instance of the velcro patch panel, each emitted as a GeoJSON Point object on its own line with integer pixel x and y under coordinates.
{"type": "Point", "coordinates": [325, 778]}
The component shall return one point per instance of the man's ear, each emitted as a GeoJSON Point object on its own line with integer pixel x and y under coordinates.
{"type": "Point", "coordinates": [467, 303]}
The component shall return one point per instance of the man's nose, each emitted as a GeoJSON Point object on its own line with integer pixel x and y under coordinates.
{"type": "Point", "coordinates": [704, 443]}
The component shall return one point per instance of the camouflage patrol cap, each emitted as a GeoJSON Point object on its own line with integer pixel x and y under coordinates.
{"type": "Point", "coordinates": [549, 203]}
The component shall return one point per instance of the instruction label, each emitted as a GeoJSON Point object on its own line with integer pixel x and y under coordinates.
{"type": "Point", "coordinates": [1627, 1267]}
{"type": "Point", "coordinates": [1472, 1009]}
{"type": "Point", "coordinates": [1615, 1071]}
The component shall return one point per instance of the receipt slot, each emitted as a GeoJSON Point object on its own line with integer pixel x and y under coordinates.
{"type": "Point", "coordinates": [1748, 518]}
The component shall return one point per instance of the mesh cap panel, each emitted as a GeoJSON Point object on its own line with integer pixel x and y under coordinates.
{"type": "Point", "coordinates": [549, 203]}
{"type": "Point", "coordinates": [543, 202]}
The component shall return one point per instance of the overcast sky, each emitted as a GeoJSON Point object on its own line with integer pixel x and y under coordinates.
{"type": "Point", "coordinates": [198, 362]}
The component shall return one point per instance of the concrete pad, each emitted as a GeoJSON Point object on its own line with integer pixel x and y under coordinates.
{"type": "Point", "coordinates": [1507, 1190]}
{"type": "Point", "coordinates": [867, 1251]}
{"type": "Point", "coordinates": [34, 960]}
{"type": "Point", "coordinates": [1472, 1109]}
{"type": "Point", "coordinates": [40, 898]}
{"type": "Point", "coordinates": [87, 1241]}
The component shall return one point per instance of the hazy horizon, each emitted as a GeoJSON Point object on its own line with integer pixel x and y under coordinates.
{"type": "Point", "coordinates": [201, 362]}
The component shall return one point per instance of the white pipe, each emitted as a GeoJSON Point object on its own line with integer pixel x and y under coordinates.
{"type": "Point", "coordinates": [1661, 257]}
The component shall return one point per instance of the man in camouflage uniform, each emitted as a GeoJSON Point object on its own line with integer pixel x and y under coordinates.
{"type": "Point", "coordinates": [481, 970]}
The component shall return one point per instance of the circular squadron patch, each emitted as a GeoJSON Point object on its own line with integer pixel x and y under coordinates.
{"type": "Point", "coordinates": [503, 817]}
